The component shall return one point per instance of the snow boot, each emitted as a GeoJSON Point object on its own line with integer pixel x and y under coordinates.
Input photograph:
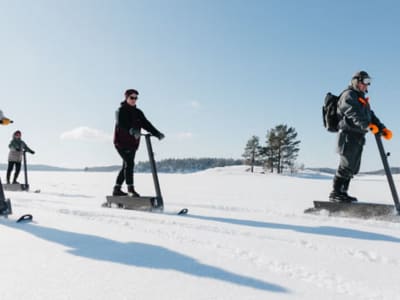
{"type": "Point", "coordinates": [117, 191]}
{"type": "Point", "coordinates": [132, 192]}
{"type": "Point", "coordinates": [335, 196]}
{"type": "Point", "coordinates": [345, 189]}
{"type": "Point", "coordinates": [338, 194]}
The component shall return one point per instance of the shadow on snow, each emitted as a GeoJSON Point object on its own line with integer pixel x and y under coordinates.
{"type": "Point", "coordinates": [319, 230]}
{"type": "Point", "coordinates": [140, 255]}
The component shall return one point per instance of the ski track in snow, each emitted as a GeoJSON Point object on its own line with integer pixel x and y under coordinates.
{"type": "Point", "coordinates": [322, 279]}
{"type": "Point", "coordinates": [254, 238]}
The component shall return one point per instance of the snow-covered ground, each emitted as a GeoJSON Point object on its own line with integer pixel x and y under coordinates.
{"type": "Point", "coordinates": [245, 237]}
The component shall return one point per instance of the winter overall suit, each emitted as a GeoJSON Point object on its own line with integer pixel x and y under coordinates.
{"type": "Point", "coordinates": [356, 114]}
{"type": "Point", "coordinates": [129, 121]}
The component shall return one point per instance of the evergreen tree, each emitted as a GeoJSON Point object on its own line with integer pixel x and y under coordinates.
{"type": "Point", "coordinates": [269, 152]}
{"type": "Point", "coordinates": [252, 152]}
{"type": "Point", "coordinates": [282, 148]}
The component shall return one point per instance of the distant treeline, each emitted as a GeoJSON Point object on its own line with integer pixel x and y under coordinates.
{"type": "Point", "coordinates": [184, 165]}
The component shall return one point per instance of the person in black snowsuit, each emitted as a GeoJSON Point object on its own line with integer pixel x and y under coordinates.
{"type": "Point", "coordinates": [129, 122]}
{"type": "Point", "coordinates": [17, 147]}
{"type": "Point", "coordinates": [356, 119]}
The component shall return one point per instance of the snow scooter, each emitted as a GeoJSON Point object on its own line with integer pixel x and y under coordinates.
{"type": "Point", "coordinates": [16, 187]}
{"type": "Point", "coordinates": [143, 203]}
{"type": "Point", "coordinates": [362, 209]}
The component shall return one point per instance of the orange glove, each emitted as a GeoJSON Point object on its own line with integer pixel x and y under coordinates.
{"type": "Point", "coordinates": [374, 128]}
{"type": "Point", "coordinates": [5, 121]}
{"type": "Point", "coordinates": [387, 134]}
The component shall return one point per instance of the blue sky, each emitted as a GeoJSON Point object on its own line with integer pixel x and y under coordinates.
{"type": "Point", "coordinates": [210, 73]}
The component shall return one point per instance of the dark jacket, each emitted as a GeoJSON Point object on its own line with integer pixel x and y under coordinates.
{"type": "Point", "coordinates": [17, 146]}
{"type": "Point", "coordinates": [355, 112]}
{"type": "Point", "coordinates": [129, 121]}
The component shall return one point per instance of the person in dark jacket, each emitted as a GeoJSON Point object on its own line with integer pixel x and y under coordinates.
{"type": "Point", "coordinates": [356, 119]}
{"type": "Point", "coordinates": [129, 122]}
{"type": "Point", "coordinates": [17, 147]}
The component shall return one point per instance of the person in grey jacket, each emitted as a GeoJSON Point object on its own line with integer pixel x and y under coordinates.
{"type": "Point", "coordinates": [17, 146]}
{"type": "Point", "coordinates": [356, 119]}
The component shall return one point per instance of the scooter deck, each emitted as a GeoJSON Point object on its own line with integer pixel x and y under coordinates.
{"type": "Point", "coordinates": [355, 209]}
{"type": "Point", "coordinates": [145, 203]}
{"type": "Point", "coordinates": [16, 187]}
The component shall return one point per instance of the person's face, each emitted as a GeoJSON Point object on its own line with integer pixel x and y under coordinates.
{"type": "Point", "coordinates": [131, 100]}
{"type": "Point", "coordinates": [363, 84]}
{"type": "Point", "coordinates": [17, 136]}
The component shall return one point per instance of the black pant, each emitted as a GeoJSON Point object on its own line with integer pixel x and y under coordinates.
{"type": "Point", "coordinates": [128, 163]}
{"type": "Point", "coordinates": [350, 148]}
{"type": "Point", "coordinates": [10, 168]}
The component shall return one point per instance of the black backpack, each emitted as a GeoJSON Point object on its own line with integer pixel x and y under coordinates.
{"type": "Point", "coordinates": [329, 112]}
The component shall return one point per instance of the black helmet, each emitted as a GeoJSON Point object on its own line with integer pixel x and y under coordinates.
{"type": "Point", "coordinates": [360, 75]}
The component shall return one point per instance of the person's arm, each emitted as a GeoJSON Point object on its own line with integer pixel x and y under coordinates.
{"type": "Point", "coordinates": [375, 120]}
{"type": "Point", "coordinates": [27, 149]}
{"type": "Point", "coordinates": [146, 124]}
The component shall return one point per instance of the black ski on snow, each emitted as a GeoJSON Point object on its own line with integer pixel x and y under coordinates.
{"type": "Point", "coordinates": [356, 209]}
{"type": "Point", "coordinates": [144, 203]}
{"type": "Point", "coordinates": [183, 211]}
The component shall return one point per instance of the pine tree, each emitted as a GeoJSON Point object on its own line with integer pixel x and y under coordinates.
{"type": "Point", "coordinates": [282, 148]}
{"type": "Point", "coordinates": [252, 152]}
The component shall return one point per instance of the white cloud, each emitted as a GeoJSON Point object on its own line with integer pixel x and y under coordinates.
{"type": "Point", "coordinates": [86, 134]}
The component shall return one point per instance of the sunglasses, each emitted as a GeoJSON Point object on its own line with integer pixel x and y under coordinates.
{"type": "Point", "coordinates": [133, 97]}
{"type": "Point", "coordinates": [366, 81]}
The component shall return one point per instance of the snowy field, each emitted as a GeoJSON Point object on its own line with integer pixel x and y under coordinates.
{"type": "Point", "coordinates": [245, 237]}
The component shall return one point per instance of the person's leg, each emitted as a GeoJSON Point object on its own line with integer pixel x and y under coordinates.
{"type": "Point", "coordinates": [121, 175]}
{"type": "Point", "coordinates": [17, 170]}
{"type": "Point", "coordinates": [9, 170]}
{"type": "Point", "coordinates": [129, 174]}
{"type": "Point", "coordinates": [129, 166]}
{"type": "Point", "coordinates": [350, 147]}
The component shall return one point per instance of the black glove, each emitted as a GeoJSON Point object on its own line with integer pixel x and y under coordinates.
{"type": "Point", "coordinates": [160, 136]}
{"type": "Point", "coordinates": [32, 152]}
{"type": "Point", "coordinates": [18, 149]}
